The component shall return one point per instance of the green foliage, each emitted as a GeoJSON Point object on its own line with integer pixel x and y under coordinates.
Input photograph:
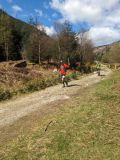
{"type": "Point", "coordinates": [13, 35]}
{"type": "Point", "coordinates": [5, 94]}
{"type": "Point", "coordinates": [73, 75]}
{"type": "Point", "coordinates": [5, 34]}
{"type": "Point", "coordinates": [85, 68]}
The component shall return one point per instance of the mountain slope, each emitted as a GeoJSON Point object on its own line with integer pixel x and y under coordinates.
{"type": "Point", "coordinates": [13, 34]}
{"type": "Point", "coordinates": [108, 53]}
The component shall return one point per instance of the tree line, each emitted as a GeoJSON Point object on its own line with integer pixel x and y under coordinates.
{"type": "Point", "coordinates": [29, 41]}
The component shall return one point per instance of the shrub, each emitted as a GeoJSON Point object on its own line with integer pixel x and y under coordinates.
{"type": "Point", "coordinates": [73, 75]}
{"type": "Point", "coordinates": [5, 94]}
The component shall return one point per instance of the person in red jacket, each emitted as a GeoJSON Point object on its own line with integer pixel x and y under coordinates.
{"type": "Point", "coordinates": [63, 72]}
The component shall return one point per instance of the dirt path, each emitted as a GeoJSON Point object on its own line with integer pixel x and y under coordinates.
{"type": "Point", "coordinates": [13, 110]}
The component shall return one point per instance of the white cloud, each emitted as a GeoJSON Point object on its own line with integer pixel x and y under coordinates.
{"type": "Point", "coordinates": [39, 12]}
{"type": "Point", "coordinates": [102, 15]}
{"type": "Point", "coordinates": [104, 35]}
{"type": "Point", "coordinates": [76, 11]}
{"type": "Point", "coordinates": [17, 8]}
{"type": "Point", "coordinates": [114, 17]}
{"type": "Point", "coordinates": [83, 10]}
{"type": "Point", "coordinates": [49, 30]}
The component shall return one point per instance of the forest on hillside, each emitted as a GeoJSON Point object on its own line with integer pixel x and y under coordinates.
{"type": "Point", "coordinates": [29, 41]}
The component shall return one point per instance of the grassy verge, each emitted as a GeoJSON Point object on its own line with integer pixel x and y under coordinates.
{"type": "Point", "coordinates": [86, 128]}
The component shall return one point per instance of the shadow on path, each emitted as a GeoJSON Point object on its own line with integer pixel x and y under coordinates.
{"type": "Point", "coordinates": [72, 85]}
{"type": "Point", "coordinates": [102, 75]}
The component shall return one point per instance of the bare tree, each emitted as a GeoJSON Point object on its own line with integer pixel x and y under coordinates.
{"type": "Point", "coordinates": [66, 40]}
{"type": "Point", "coordinates": [36, 40]}
{"type": "Point", "coordinates": [85, 47]}
{"type": "Point", "coordinates": [58, 28]}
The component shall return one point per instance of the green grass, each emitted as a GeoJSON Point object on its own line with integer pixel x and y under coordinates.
{"type": "Point", "coordinates": [86, 128]}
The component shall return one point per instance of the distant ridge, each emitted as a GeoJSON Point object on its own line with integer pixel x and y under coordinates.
{"type": "Point", "coordinates": [102, 49]}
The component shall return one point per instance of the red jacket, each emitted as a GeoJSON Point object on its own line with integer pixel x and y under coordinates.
{"type": "Point", "coordinates": [63, 68]}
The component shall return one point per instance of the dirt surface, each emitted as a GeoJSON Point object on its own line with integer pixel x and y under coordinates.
{"type": "Point", "coordinates": [15, 109]}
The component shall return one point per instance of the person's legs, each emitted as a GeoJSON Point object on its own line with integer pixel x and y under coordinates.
{"type": "Point", "coordinates": [98, 72]}
{"type": "Point", "coordinates": [63, 80]}
{"type": "Point", "coordinates": [66, 81]}
{"type": "Point", "coordinates": [63, 84]}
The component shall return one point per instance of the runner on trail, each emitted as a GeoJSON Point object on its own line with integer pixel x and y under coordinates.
{"type": "Point", "coordinates": [98, 67]}
{"type": "Point", "coordinates": [63, 72]}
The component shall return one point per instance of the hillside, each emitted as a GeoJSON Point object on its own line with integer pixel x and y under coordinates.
{"type": "Point", "coordinates": [109, 53]}
{"type": "Point", "coordinates": [13, 34]}
{"type": "Point", "coordinates": [102, 49]}
{"type": "Point", "coordinates": [14, 20]}
{"type": "Point", "coordinates": [20, 25]}
{"type": "Point", "coordinates": [16, 37]}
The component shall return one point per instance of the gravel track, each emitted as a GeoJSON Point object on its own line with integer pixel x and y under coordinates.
{"type": "Point", "coordinates": [14, 109]}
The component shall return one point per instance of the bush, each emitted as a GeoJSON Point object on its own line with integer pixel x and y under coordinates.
{"type": "Point", "coordinates": [35, 85]}
{"type": "Point", "coordinates": [5, 94]}
{"type": "Point", "coordinates": [73, 75]}
{"type": "Point", "coordinates": [32, 85]}
{"type": "Point", "coordinates": [28, 86]}
{"type": "Point", "coordinates": [38, 84]}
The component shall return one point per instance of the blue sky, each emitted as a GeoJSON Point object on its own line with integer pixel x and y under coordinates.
{"type": "Point", "coordinates": [99, 16]}
{"type": "Point", "coordinates": [23, 9]}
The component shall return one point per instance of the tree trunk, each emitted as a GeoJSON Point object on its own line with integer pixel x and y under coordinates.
{"type": "Point", "coordinates": [6, 51]}
{"type": "Point", "coordinates": [68, 60]}
{"type": "Point", "coordinates": [39, 54]}
{"type": "Point", "coordinates": [59, 50]}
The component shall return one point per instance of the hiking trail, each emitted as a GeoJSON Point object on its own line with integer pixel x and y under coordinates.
{"type": "Point", "coordinates": [14, 109]}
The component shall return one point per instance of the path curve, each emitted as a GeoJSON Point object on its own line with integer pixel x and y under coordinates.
{"type": "Point", "coordinates": [14, 109]}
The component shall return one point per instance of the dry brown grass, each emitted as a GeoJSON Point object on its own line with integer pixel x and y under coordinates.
{"type": "Point", "coordinates": [11, 76]}
{"type": "Point", "coordinates": [13, 80]}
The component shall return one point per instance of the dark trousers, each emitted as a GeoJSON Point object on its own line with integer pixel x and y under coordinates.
{"type": "Point", "coordinates": [64, 80]}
